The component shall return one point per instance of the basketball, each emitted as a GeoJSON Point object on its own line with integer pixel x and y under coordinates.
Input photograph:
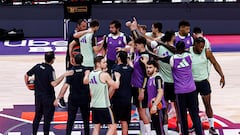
{"type": "Point", "coordinates": [159, 106]}
{"type": "Point", "coordinates": [75, 50]}
{"type": "Point", "coordinates": [31, 85]}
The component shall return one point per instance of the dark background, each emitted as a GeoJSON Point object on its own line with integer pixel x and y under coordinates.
{"type": "Point", "coordinates": [47, 20]}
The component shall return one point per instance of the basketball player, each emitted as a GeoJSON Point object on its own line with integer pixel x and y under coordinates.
{"type": "Point", "coordinates": [185, 89]}
{"type": "Point", "coordinates": [155, 94]}
{"type": "Point", "coordinates": [139, 80]}
{"type": "Point", "coordinates": [183, 34]}
{"type": "Point", "coordinates": [45, 81]}
{"type": "Point", "coordinates": [81, 25]}
{"type": "Point", "coordinates": [99, 82]}
{"type": "Point", "coordinates": [166, 73]}
{"type": "Point", "coordinates": [139, 77]}
{"type": "Point", "coordinates": [88, 44]}
{"type": "Point", "coordinates": [156, 33]}
{"type": "Point", "coordinates": [114, 42]}
{"type": "Point", "coordinates": [79, 96]}
{"type": "Point", "coordinates": [197, 32]}
{"type": "Point", "coordinates": [121, 99]}
{"type": "Point", "coordinates": [200, 57]}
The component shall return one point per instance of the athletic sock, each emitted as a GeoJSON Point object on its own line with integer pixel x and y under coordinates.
{"type": "Point", "coordinates": [179, 128]}
{"type": "Point", "coordinates": [142, 128]}
{"type": "Point", "coordinates": [165, 128]}
{"type": "Point", "coordinates": [211, 122]}
{"type": "Point", "coordinates": [148, 129]}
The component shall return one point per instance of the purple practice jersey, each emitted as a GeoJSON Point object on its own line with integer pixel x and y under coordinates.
{"type": "Point", "coordinates": [154, 83]}
{"type": "Point", "coordinates": [112, 43]}
{"type": "Point", "coordinates": [182, 73]}
{"type": "Point", "coordinates": [139, 70]}
{"type": "Point", "coordinates": [188, 40]}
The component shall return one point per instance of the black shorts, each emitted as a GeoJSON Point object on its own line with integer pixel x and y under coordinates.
{"type": "Point", "coordinates": [203, 87]}
{"type": "Point", "coordinates": [139, 104]}
{"type": "Point", "coordinates": [102, 116]}
{"type": "Point", "coordinates": [169, 94]}
{"type": "Point", "coordinates": [122, 112]}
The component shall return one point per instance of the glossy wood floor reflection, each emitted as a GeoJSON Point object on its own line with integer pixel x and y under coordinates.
{"type": "Point", "coordinates": [225, 101]}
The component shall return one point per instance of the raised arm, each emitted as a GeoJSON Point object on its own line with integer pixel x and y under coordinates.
{"type": "Point", "coordinates": [81, 33]}
{"type": "Point", "coordinates": [86, 77]}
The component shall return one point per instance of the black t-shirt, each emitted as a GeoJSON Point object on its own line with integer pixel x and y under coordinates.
{"type": "Point", "coordinates": [44, 74]}
{"type": "Point", "coordinates": [123, 94]}
{"type": "Point", "coordinates": [79, 92]}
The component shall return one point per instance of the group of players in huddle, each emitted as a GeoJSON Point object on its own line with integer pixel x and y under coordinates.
{"type": "Point", "coordinates": [151, 70]}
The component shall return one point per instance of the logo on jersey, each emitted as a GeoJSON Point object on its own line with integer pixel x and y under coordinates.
{"type": "Point", "coordinates": [83, 40]}
{"type": "Point", "coordinates": [188, 42]}
{"type": "Point", "coordinates": [93, 80]}
{"type": "Point", "coordinates": [165, 54]}
{"type": "Point", "coordinates": [119, 42]}
{"type": "Point", "coordinates": [183, 64]}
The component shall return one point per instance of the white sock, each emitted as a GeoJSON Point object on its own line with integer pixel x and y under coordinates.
{"type": "Point", "coordinates": [211, 122]}
{"type": "Point", "coordinates": [148, 129]}
{"type": "Point", "coordinates": [142, 128]}
{"type": "Point", "coordinates": [179, 127]}
{"type": "Point", "coordinates": [165, 128]}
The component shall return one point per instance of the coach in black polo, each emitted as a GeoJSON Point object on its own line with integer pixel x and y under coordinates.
{"type": "Point", "coordinates": [45, 81]}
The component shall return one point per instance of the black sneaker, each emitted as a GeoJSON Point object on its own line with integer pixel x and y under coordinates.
{"type": "Point", "coordinates": [212, 131]}
{"type": "Point", "coordinates": [61, 103]}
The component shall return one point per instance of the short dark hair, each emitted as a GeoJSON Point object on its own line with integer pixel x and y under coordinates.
{"type": "Point", "coordinates": [140, 40]}
{"type": "Point", "coordinates": [123, 56]}
{"type": "Point", "coordinates": [183, 23]}
{"type": "Point", "coordinates": [197, 30]}
{"type": "Point", "coordinates": [81, 20]}
{"type": "Point", "coordinates": [154, 63]}
{"type": "Point", "coordinates": [94, 23]}
{"type": "Point", "coordinates": [116, 23]}
{"type": "Point", "coordinates": [49, 56]}
{"type": "Point", "coordinates": [98, 59]}
{"type": "Point", "coordinates": [199, 40]}
{"type": "Point", "coordinates": [180, 46]}
{"type": "Point", "coordinates": [144, 27]}
{"type": "Point", "coordinates": [158, 25]}
{"type": "Point", "coordinates": [78, 58]}
{"type": "Point", "coordinates": [168, 35]}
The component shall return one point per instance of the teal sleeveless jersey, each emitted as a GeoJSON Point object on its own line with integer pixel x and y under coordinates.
{"type": "Point", "coordinates": [99, 91]}
{"type": "Point", "coordinates": [200, 67]}
{"type": "Point", "coordinates": [165, 68]}
{"type": "Point", "coordinates": [86, 48]}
